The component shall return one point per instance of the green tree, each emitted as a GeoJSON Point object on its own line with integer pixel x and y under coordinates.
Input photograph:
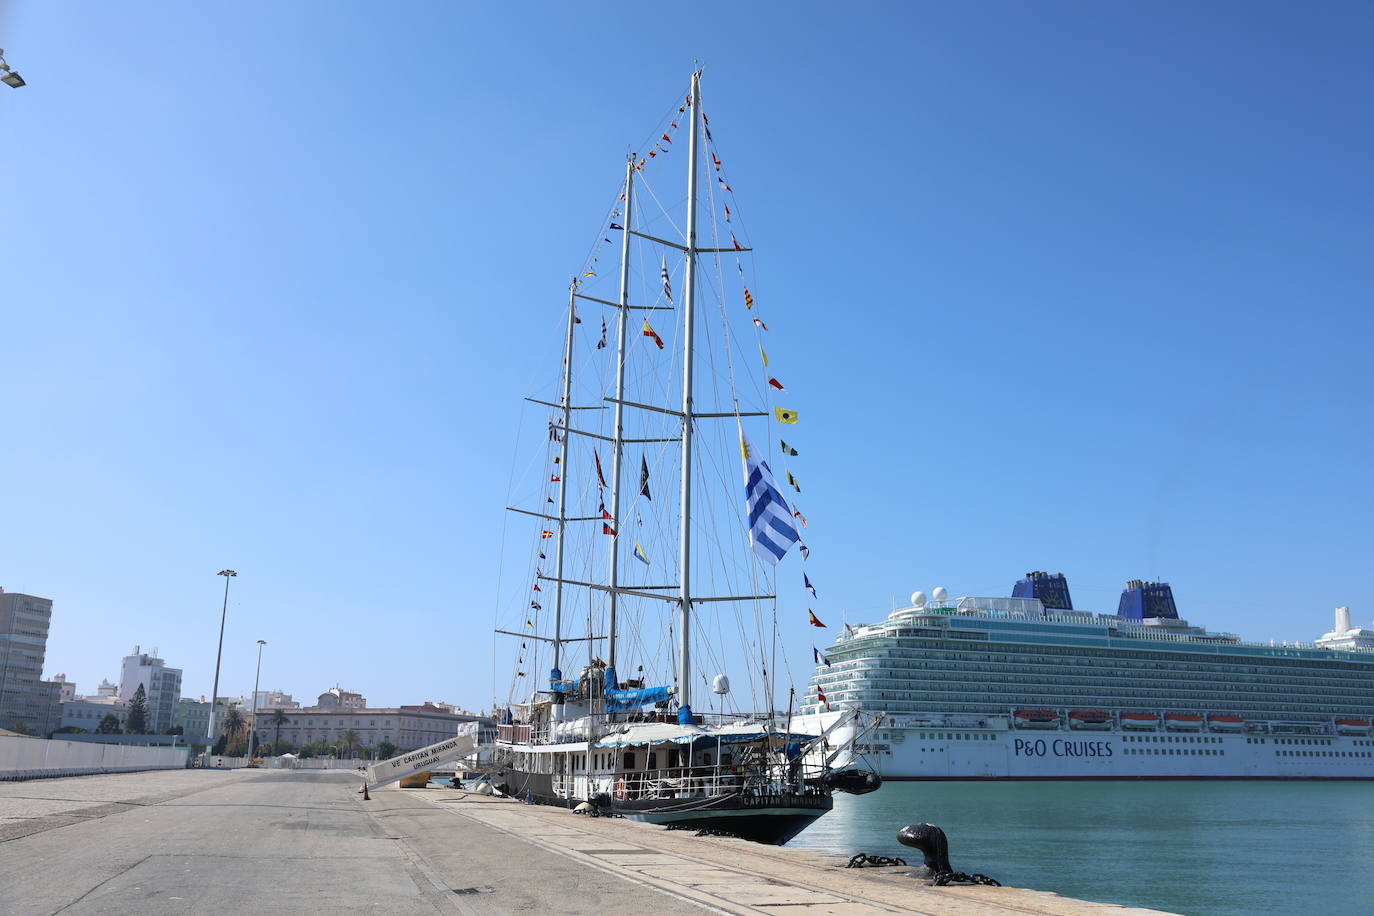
{"type": "Point", "coordinates": [109, 725]}
{"type": "Point", "coordinates": [278, 719]}
{"type": "Point", "coordinates": [348, 741]}
{"type": "Point", "coordinates": [386, 750]}
{"type": "Point", "coordinates": [22, 728]}
{"type": "Point", "coordinates": [137, 723]}
{"type": "Point", "coordinates": [70, 730]}
{"type": "Point", "coordinates": [233, 721]}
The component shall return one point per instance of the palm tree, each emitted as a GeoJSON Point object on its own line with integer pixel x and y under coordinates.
{"type": "Point", "coordinates": [278, 719]}
{"type": "Point", "coordinates": [349, 740]}
{"type": "Point", "coordinates": [233, 721]}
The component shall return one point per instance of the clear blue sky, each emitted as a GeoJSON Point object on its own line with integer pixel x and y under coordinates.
{"type": "Point", "coordinates": [1064, 286]}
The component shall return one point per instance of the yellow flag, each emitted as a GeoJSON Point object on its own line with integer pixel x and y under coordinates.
{"type": "Point", "coordinates": [785, 416]}
{"type": "Point", "coordinates": [764, 354]}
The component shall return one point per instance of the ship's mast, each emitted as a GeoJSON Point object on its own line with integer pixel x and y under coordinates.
{"type": "Point", "coordinates": [557, 673]}
{"type": "Point", "coordinates": [618, 442]}
{"type": "Point", "coordinates": [684, 681]}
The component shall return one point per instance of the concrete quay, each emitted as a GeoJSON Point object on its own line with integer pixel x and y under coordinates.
{"type": "Point", "coordinates": [251, 841]}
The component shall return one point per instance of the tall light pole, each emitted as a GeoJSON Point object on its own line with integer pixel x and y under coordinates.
{"type": "Point", "coordinates": [253, 722]}
{"type": "Point", "coordinates": [214, 694]}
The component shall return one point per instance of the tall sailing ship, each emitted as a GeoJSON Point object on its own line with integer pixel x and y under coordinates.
{"type": "Point", "coordinates": [663, 578]}
{"type": "Point", "coordinates": [1027, 687]}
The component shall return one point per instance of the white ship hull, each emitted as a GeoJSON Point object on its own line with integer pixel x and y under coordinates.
{"type": "Point", "coordinates": [904, 750]}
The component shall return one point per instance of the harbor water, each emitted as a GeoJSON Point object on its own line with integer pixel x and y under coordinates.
{"type": "Point", "coordinates": [1197, 848]}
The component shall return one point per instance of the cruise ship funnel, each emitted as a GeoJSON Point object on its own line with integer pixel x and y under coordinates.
{"type": "Point", "coordinates": [1141, 599]}
{"type": "Point", "coordinates": [1051, 588]}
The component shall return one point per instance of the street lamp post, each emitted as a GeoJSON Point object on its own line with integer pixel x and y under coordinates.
{"type": "Point", "coordinates": [253, 723]}
{"type": "Point", "coordinates": [214, 694]}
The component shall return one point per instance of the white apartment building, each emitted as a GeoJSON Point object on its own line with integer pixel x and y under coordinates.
{"type": "Point", "coordinates": [268, 700]}
{"type": "Point", "coordinates": [161, 684]}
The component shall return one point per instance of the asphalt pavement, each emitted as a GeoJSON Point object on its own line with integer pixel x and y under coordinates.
{"type": "Point", "coordinates": [268, 841]}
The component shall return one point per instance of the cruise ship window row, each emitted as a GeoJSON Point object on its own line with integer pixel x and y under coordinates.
{"type": "Point", "coordinates": [900, 707]}
{"type": "Point", "coordinates": [1095, 659]}
{"type": "Point", "coordinates": [1174, 739]}
{"type": "Point", "coordinates": [1132, 680]}
{"type": "Point", "coordinates": [992, 705]}
{"type": "Point", "coordinates": [1178, 751]}
{"type": "Point", "coordinates": [1047, 695]}
{"type": "Point", "coordinates": [1101, 650]}
{"type": "Point", "coordinates": [1113, 667]}
{"type": "Point", "coordinates": [1279, 753]}
{"type": "Point", "coordinates": [880, 678]}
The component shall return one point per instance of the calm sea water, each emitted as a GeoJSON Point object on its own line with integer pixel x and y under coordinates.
{"type": "Point", "coordinates": [1198, 848]}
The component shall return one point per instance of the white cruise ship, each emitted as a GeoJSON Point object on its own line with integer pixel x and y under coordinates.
{"type": "Point", "coordinates": [1026, 687]}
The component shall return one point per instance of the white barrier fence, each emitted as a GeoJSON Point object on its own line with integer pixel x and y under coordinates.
{"type": "Point", "coordinates": [35, 758]}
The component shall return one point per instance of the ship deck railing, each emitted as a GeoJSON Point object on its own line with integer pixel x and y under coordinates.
{"type": "Point", "coordinates": [699, 781]}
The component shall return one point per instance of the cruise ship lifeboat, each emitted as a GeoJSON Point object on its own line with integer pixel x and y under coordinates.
{"type": "Point", "coordinates": [1221, 723]}
{"type": "Point", "coordinates": [1183, 721]}
{"type": "Point", "coordinates": [1035, 718]}
{"type": "Point", "coordinates": [1140, 720]}
{"type": "Point", "coordinates": [1090, 718]}
{"type": "Point", "coordinates": [1352, 726]}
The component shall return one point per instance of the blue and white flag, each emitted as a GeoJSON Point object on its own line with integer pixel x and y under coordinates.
{"type": "Point", "coordinates": [820, 659]}
{"type": "Point", "coordinates": [667, 286]}
{"type": "Point", "coordinates": [771, 531]}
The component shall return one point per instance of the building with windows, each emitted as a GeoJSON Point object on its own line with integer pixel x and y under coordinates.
{"type": "Point", "coordinates": [407, 727]}
{"type": "Point", "coordinates": [336, 698]}
{"type": "Point", "coordinates": [66, 690]}
{"type": "Point", "coordinates": [161, 685]}
{"type": "Point", "coordinates": [25, 698]}
{"type": "Point", "coordinates": [194, 716]}
{"type": "Point", "coordinates": [273, 699]}
{"type": "Point", "coordinates": [85, 713]}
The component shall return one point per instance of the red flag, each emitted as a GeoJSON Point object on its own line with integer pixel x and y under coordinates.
{"type": "Point", "coordinates": [537, 588]}
{"type": "Point", "coordinates": [799, 517]}
{"type": "Point", "coordinates": [545, 535]}
{"type": "Point", "coordinates": [776, 384]}
{"type": "Point", "coordinates": [815, 621]}
{"type": "Point", "coordinates": [748, 298]}
{"type": "Point", "coordinates": [820, 695]}
{"type": "Point", "coordinates": [555, 479]}
{"type": "Point", "coordinates": [667, 138]}
{"type": "Point", "coordinates": [738, 246]}
{"type": "Point", "coordinates": [716, 161]}
{"type": "Point", "coordinates": [607, 529]}
{"type": "Point", "coordinates": [727, 213]}
{"type": "Point", "coordinates": [601, 478]}
{"type": "Point", "coordinates": [760, 324]}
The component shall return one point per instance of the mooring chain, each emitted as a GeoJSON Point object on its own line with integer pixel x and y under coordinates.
{"type": "Point", "coordinates": [958, 877]}
{"type": "Point", "coordinates": [863, 860]}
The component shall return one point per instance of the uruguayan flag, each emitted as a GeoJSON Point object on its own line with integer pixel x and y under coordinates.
{"type": "Point", "coordinates": [770, 521]}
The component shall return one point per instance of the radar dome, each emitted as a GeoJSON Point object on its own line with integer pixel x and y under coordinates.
{"type": "Point", "coordinates": [938, 593]}
{"type": "Point", "coordinates": [918, 599]}
{"type": "Point", "coordinates": [720, 685]}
